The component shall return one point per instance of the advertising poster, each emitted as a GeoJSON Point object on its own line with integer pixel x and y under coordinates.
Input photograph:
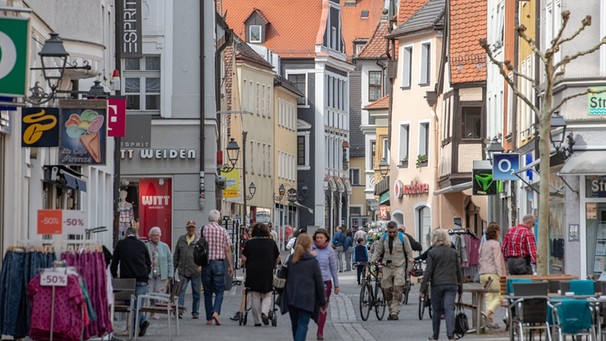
{"type": "Point", "coordinates": [232, 185]}
{"type": "Point", "coordinates": [83, 132]}
{"type": "Point", "coordinates": [40, 127]}
{"type": "Point", "coordinates": [155, 208]}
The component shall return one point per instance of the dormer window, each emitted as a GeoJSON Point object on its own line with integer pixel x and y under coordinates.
{"type": "Point", "coordinates": [254, 33]}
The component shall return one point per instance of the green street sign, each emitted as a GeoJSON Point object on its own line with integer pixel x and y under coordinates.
{"type": "Point", "coordinates": [14, 39]}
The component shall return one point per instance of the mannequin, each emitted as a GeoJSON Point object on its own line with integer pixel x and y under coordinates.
{"type": "Point", "coordinates": [126, 218]}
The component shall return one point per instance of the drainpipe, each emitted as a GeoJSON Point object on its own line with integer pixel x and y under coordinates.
{"type": "Point", "coordinates": [202, 106]}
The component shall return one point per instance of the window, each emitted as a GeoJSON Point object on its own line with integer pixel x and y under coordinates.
{"type": "Point", "coordinates": [385, 152]}
{"type": "Point", "coordinates": [424, 138]}
{"type": "Point", "coordinates": [303, 150]}
{"type": "Point", "coordinates": [406, 66]}
{"type": "Point", "coordinates": [354, 176]}
{"type": "Point", "coordinates": [425, 64]}
{"type": "Point", "coordinates": [404, 135]}
{"type": "Point", "coordinates": [373, 154]}
{"type": "Point", "coordinates": [471, 122]}
{"type": "Point", "coordinates": [374, 85]}
{"type": "Point", "coordinates": [254, 33]}
{"type": "Point", "coordinates": [299, 81]}
{"type": "Point", "coordinates": [355, 210]}
{"type": "Point", "coordinates": [142, 83]}
{"type": "Point", "coordinates": [424, 226]}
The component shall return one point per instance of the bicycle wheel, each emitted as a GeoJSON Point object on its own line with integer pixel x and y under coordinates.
{"type": "Point", "coordinates": [406, 292]}
{"type": "Point", "coordinates": [379, 302]}
{"type": "Point", "coordinates": [365, 301]}
{"type": "Point", "coordinates": [421, 307]}
{"type": "Point", "coordinates": [428, 305]}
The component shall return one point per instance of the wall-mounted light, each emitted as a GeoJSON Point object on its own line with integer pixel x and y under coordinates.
{"type": "Point", "coordinates": [494, 147]}
{"type": "Point", "coordinates": [252, 189]}
{"type": "Point", "coordinates": [383, 167]}
{"type": "Point", "coordinates": [557, 135]}
{"type": "Point", "coordinates": [233, 153]}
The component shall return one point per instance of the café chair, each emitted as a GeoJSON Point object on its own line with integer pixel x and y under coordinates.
{"type": "Point", "coordinates": [160, 304]}
{"type": "Point", "coordinates": [124, 299]}
{"type": "Point", "coordinates": [528, 310]}
{"type": "Point", "coordinates": [574, 317]}
{"type": "Point", "coordinates": [554, 286]}
{"type": "Point", "coordinates": [582, 287]}
{"type": "Point", "coordinates": [564, 286]}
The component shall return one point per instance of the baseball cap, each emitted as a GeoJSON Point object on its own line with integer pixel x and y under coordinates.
{"type": "Point", "coordinates": [190, 223]}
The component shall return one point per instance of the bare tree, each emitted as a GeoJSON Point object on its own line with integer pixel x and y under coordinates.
{"type": "Point", "coordinates": [552, 71]}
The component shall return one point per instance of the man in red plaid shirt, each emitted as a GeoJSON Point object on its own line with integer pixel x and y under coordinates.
{"type": "Point", "coordinates": [213, 275]}
{"type": "Point", "coordinates": [519, 247]}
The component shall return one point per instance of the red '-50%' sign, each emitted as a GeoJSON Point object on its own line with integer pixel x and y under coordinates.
{"type": "Point", "coordinates": [53, 278]}
{"type": "Point", "coordinates": [61, 222]}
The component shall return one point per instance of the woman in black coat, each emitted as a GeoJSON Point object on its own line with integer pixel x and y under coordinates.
{"type": "Point", "coordinates": [260, 256]}
{"type": "Point", "coordinates": [303, 295]}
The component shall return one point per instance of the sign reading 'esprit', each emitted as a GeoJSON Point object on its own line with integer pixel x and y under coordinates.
{"type": "Point", "coordinates": [129, 26]}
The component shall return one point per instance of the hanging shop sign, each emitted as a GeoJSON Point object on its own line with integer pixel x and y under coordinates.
{"type": "Point", "coordinates": [505, 166]}
{"type": "Point", "coordinates": [116, 114]}
{"type": "Point", "coordinates": [83, 132]}
{"type": "Point", "coordinates": [232, 185]}
{"type": "Point", "coordinates": [398, 189]}
{"type": "Point", "coordinates": [129, 38]}
{"type": "Point", "coordinates": [40, 127]}
{"type": "Point", "coordinates": [14, 38]}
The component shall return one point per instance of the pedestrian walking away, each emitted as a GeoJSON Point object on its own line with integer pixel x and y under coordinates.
{"type": "Point", "coordinates": [161, 264]}
{"type": "Point", "coordinates": [360, 257]}
{"type": "Point", "coordinates": [348, 249]}
{"type": "Point", "coordinates": [394, 249]}
{"type": "Point", "coordinates": [328, 266]}
{"type": "Point", "coordinates": [187, 269]}
{"type": "Point", "coordinates": [519, 247]}
{"type": "Point", "coordinates": [213, 275]}
{"type": "Point", "coordinates": [492, 268]}
{"type": "Point", "coordinates": [338, 243]}
{"type": "Point", "coordinates": [443, 271]}
{"type": "Point", "coordinates": [132, 257]}
{"type": "Point", "coordinates": [304, 294]}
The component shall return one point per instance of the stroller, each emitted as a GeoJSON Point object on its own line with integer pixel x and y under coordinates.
{"type": "Point", "coordinates": [245, 307]}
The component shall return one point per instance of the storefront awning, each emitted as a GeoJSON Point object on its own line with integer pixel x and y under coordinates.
{"type": "Point", "coordinates": [456, 188]}
{"type": "Point", "coordinates": [585, 163]}
{"type": "Point", "coordinates": [65, 176]}
{"type": "Point", "coordinates": [384, 198]}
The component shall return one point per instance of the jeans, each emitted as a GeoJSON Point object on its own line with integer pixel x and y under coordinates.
{"type": "Point", "coordinates": [299, 321]}
{"type": "Point", "coordinates": [140, 289]}
{"type": "Point", "coordinates": [213, 279]}
{"type": "Point", "coordinates": [195, 293]}
{"type": "Point", "coordinates": [14, 292]}
{"type": "Point", "coordinates": [443, 296]}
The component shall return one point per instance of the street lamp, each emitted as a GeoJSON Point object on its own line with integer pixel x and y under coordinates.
{"type": "Point", "coordinates": [383, 167]}
{"type": "Point", "coordinates": [233, 153]}
{"type": "Point", "coordinates": [252, 189]}
{"type": "Point", "coordinates": [494, 147]}
{"type": "Point", "coordinates": [557, 135]}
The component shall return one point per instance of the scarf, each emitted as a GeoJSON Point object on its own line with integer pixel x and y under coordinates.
{"type": "Point", "coordinates": [323, 246]}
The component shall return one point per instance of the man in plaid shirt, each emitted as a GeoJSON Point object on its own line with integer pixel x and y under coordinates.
{"type": "Point", "coordinates": [519, 248]}
{"type": "Point", "coordinates": [213, 275]}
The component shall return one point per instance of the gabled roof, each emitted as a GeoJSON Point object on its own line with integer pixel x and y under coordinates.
{"type": "Point", "coordinates": [376, 46]}
{"type": "Point", "coordinates": [467, 58]}
{"type": "Point", "coordinates": [430, 16]}
{"type": "Point", "coordinates": [294, 23]}
{"type": "Point", "coordinates": [245, 52]}
{"type": "Point", "coordinates": [380, 104]}
{"type": "Point", "coordinates": [356, 27]}
{"type": "Point", "coordinates": [260, 14]}
{"type": "Point", "coordinates": [286, 84]}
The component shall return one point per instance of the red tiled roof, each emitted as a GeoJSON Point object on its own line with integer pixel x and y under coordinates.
{"type": "Point", "coordinates": [294, 23]}
{"type": "Point", "coordinates": [381, 103]}
{"type": "Point", "coordinates": [354, 27]}
{"type": "Point", "coordinates": [375, 47]}
{"type": "Point", "coordinates": [408, 8]}
{"type": "Point", "coordinates": [467, 26]}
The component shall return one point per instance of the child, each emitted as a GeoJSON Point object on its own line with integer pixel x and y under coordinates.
{"type": "Point", "coordinates": [360, 256]}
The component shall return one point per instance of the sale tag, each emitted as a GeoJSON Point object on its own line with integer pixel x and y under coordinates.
{"type": "Point", "coordinates": [53, 278]}
{"type": "Point", "coordinates": [73, 222]}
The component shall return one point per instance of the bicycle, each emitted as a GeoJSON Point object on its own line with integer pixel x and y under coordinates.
{"type": "Point", "coordinates": [416, 271]}
{"type": "Point", "coordinates": [425, 301]}
{"type": "Point", "coordinates": [371, 293]}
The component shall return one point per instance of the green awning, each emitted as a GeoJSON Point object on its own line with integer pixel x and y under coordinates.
{"type": "Point", "coordinates": [384, 198]}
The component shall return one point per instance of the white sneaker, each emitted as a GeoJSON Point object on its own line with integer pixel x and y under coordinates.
{"type": "Point", "coordinates": [155, 316]}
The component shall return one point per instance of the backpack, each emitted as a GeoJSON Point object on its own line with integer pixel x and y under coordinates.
{"type": "Point", "coordinates": [201, 250]}
{"type": "Point", "coordinates": [401, 235]}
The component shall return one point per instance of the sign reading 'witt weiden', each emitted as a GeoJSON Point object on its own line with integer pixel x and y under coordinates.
{"type": "Point", "coordinates": [155, 207]}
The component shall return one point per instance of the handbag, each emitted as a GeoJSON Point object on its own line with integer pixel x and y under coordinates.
{"type": "Point", "coordinates": [280, 277]}
{"type": "Point", "coordinates": [461, 323]}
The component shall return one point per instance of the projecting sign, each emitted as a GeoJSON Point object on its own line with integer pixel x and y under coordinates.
{"type": "Point", "coordinates": [504, 166]}
{"type": "Point", "coordinates": [14, 38]}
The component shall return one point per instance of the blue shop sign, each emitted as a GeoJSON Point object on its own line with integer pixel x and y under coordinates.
{"type": "Point", "coordinates": [595, 186]}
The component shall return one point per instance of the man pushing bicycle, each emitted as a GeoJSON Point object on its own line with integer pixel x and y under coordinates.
{"type": "Point", "coordinates": [394, 249]}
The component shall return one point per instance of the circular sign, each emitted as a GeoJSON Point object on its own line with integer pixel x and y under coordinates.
{"type": "Point", "coordinates": [398, 189]}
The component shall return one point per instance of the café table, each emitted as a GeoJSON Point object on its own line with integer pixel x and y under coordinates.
{"type": "Point", "coordinates": [478, 292]}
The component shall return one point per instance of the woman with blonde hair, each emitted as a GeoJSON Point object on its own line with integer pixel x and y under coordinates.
{"type": "Point", "coordinates": [492, 268]}
{"type": "Point", "coordinates": [444, 272]}
{"type": "Point", "coordinates": [303, 297]}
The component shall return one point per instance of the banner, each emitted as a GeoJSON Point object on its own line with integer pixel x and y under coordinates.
{"type": "Point", "coordinates": [232, 185]}
{"type": "Point", "coordinates": [155, 208]}
{"type": "Point", "coordinates": [14, 40]}
{"type": "Point", "coordinates": [83, 132]}
{"type": "Point", "coordinates": [40, 127]}
{"type": "Point", "coordinates": [65, 222]}
{"type": "Point", "coordinates": [129, 23]}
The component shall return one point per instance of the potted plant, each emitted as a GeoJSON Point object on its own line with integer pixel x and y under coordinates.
{"type": "Point", "coordinates": [421, 160]}
{"type": "Point", "coordinates": [404, 161]}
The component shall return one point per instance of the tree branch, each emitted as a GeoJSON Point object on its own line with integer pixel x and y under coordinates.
{"type": "Point", "coordinates": [522, 32]}
{"type": "Point", "coordinates": [568, 59]}
{"type": "Point", "coordinates": [584, 23]}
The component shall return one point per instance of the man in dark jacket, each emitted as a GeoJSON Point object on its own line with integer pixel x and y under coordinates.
{"type": "Point", "coordinates": [132, 256]}
{"type": "Point", "coordinates": [183, 259]}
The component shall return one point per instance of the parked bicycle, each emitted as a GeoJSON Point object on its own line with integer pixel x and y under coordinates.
{"type": "Point", "coordinates": [371, 293]}
{"type": "Point", "coordinates": [425, 301]}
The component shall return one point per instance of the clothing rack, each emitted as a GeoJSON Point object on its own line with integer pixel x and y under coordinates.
{"type": "Point", "coordinates": [462, 231]}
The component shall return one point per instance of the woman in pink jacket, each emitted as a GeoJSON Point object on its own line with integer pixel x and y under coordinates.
{"type": "Point", "coordinates": [492, 267]}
